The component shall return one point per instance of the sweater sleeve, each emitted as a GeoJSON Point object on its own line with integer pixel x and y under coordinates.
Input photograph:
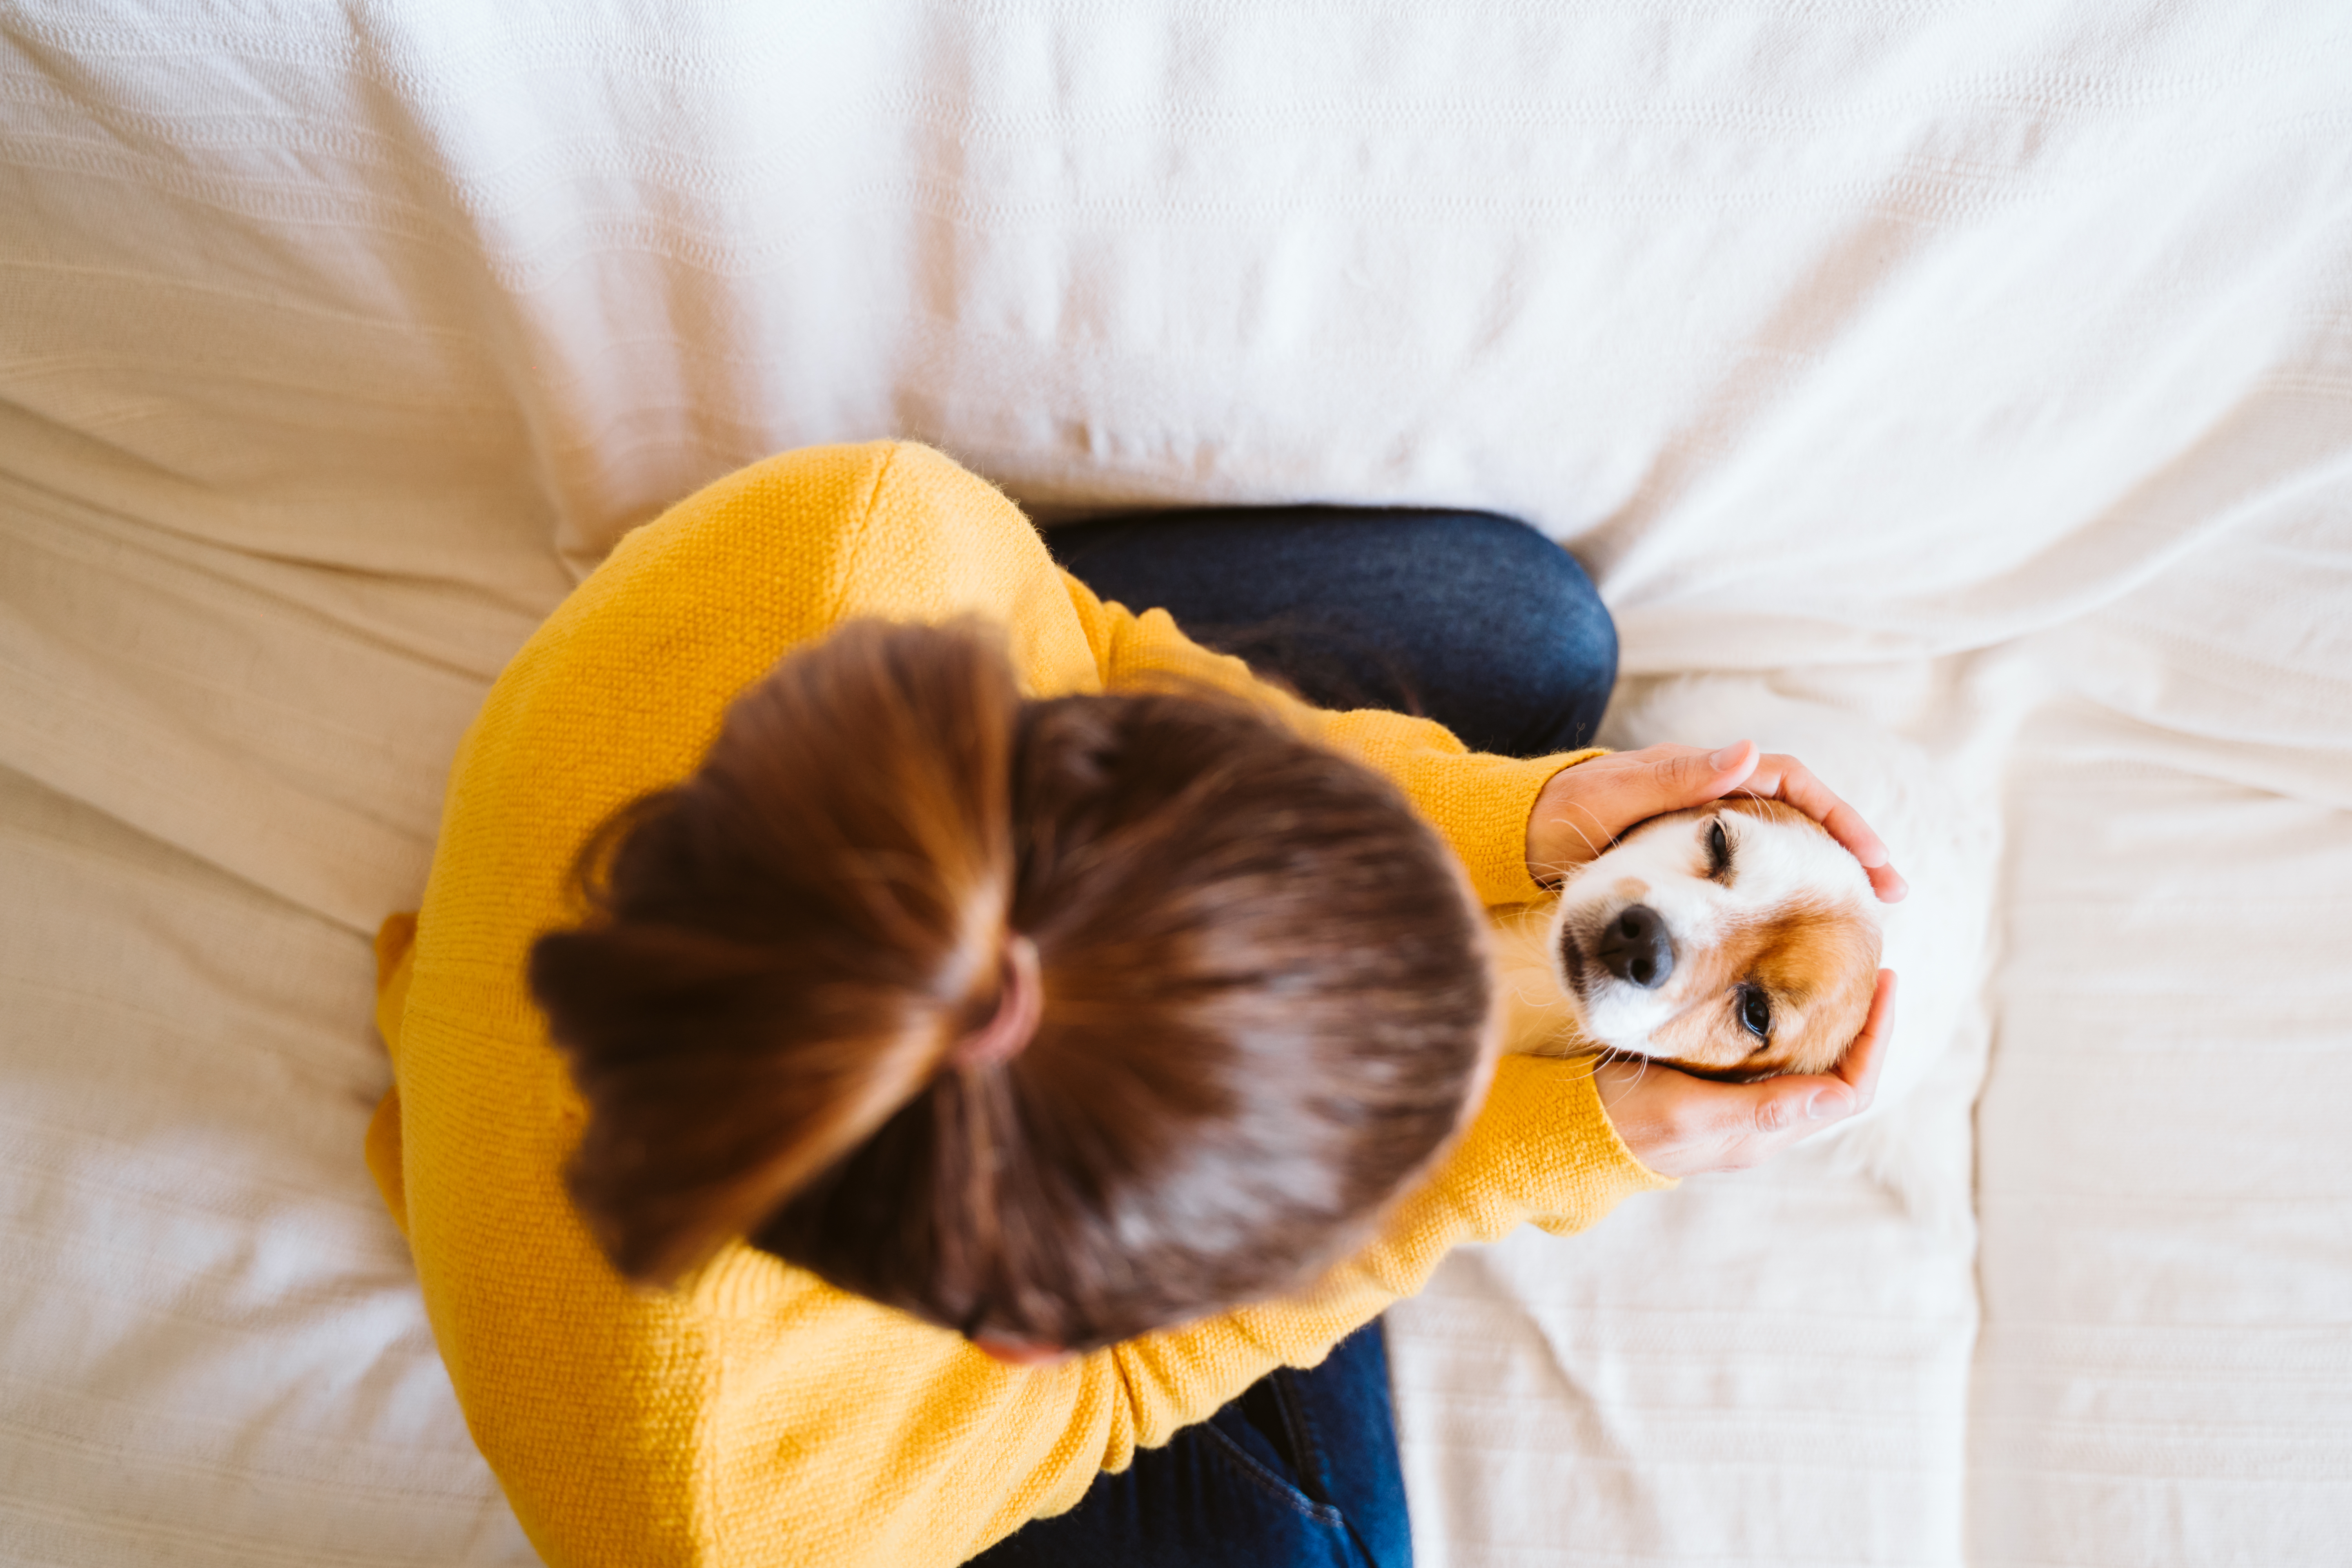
{"type": "Point", "coordinates": [1479, 802]}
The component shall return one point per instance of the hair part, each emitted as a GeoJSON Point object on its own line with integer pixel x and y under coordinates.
{"type": "Point", "coordinates": [1265, 996]}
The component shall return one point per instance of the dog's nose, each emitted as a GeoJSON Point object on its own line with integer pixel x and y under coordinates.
{"type": "Point", "coordinates": [1634, 946]}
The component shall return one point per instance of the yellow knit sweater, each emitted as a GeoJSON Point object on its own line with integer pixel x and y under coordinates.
{"type": "Point", "coordinates": [756, 1415]}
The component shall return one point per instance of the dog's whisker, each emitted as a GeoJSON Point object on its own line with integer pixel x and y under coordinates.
{"type": "Point", "coordinates": [1592, 850]}
{"type": "Point", "coordinates": [1597, 824]}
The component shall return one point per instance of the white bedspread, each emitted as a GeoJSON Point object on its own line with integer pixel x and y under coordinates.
{"type": "Point", "coordinates": [1962, 391]}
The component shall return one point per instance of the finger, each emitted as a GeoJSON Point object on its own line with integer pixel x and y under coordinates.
{"type": "Point", "coordinates": [1743, 1125]}
{"type": "Point", "coordinates": [1785, 778]}
{"type": "Point", "coordinates": [1685, 776]}
{"type": "Point", "coordinates": [1679, 1125]}
{"type": "Point", "coordinates": [1755, 1119]}
{"type": "Point", "coordinates": [1866, 1057]}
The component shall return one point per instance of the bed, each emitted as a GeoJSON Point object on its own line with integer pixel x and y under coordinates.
{"type": "Point", "coordinates": [1959, 393]}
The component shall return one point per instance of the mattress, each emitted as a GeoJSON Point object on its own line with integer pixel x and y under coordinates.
{"type": "Point", "coordinates": [1958, 395]}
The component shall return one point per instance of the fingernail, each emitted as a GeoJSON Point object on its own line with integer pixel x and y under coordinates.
{"type": "Point", "coordinates": [1725, 757]}
{"type": "Point", "coordinates": [1825, 1104]}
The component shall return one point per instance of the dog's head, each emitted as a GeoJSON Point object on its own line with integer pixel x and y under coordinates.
{"type": "Point", "coordinates": [1736, 940]}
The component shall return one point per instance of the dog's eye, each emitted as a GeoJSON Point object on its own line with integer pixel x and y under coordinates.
{"type": "Point", "coordinates": [1718, 848]}
{"type": "Point", "coordinates": [1756, 1011]}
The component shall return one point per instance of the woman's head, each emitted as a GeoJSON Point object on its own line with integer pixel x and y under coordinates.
{"type": "Point", "coordinates": [1259, 991]}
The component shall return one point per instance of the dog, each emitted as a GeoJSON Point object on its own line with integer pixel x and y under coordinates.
{"type": "Point", "coordinates": [1733, 942]}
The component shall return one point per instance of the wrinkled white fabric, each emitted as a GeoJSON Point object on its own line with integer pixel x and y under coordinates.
{"type": "Point", "coordinates": [1963, 390]}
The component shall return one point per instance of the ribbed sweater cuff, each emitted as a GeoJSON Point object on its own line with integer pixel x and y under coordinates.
{"type": "Point", "coordinates": [1492, 799]}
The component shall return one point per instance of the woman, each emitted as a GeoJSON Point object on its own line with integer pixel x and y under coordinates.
{"type": "Point", "coordinates": [1058, 1297]}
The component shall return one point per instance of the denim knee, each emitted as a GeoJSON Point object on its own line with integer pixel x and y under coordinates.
{"type": "Point", "coordinates": [1576, 654]}
{"type": "Point", "coordinates": [1475, 619]}
{"type": "Point", "coordinates": [1545, 652]}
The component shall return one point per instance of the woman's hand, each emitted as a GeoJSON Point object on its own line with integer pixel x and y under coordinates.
{"type": "Point", "coordinates": [1581, 811]}
{"type": "Point", "coordinates": [1679, 1125]}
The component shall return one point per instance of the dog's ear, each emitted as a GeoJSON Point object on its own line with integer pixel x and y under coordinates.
{"type": "Point", "coordinates": [1843, 956]}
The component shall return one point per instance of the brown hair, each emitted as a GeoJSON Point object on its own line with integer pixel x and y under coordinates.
{"type": "Point", "coordinates": [1265, 996]}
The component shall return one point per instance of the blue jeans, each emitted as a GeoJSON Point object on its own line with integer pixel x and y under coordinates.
{"type": "Point", "coordinates": [1301, 1470]}
{"type": "Point", "coordinates": [1476, 621]}
{"type": "Point", "coordinates": [1488, 628]}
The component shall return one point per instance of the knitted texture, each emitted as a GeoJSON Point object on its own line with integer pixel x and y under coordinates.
{"type": "Point", "coordinates": [756, 1415]}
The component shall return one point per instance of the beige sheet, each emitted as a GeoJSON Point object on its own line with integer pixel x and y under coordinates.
{"type": "Point", "coordinates": [1973, 378]}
